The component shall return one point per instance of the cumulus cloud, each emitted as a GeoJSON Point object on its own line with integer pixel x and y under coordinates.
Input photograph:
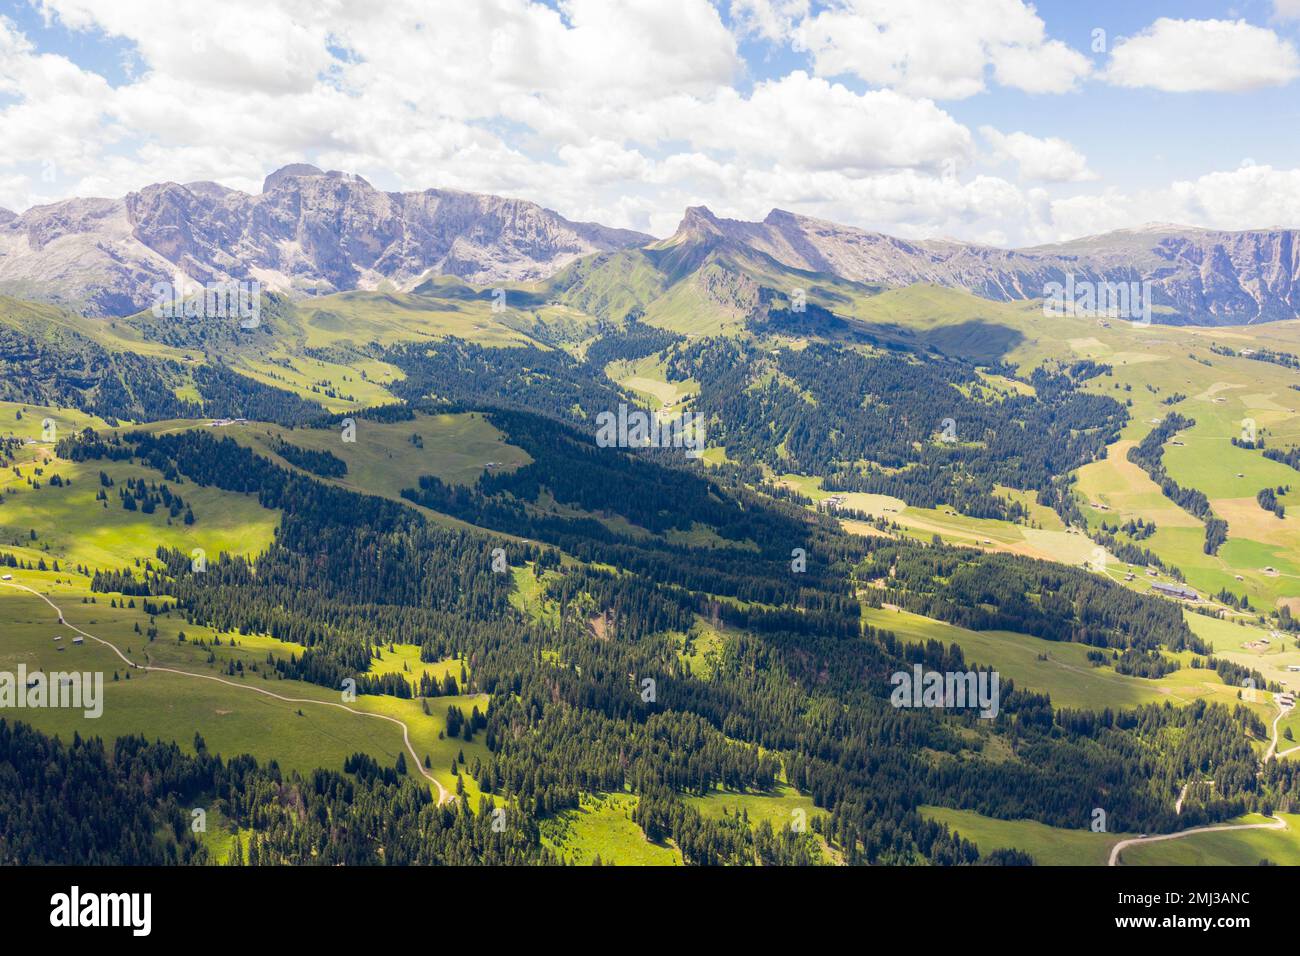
{"type": "Point", "coordinates": [619, 111]}
{"type": "Point", "coordinates": [769, 19]}
{"type": "Point", "coordinates": [583, 105]}
{"type": "Point", "coordinates": [807, 122]}
{"type": "Point", "coordinates": [58, 120]}
{"type": "Point", "coordinates": [275, 51]}
{"type": "Point", "coordinates": [1249, 197]}
{"type": "Point", "coordinates": [940, 50]}
{"type": "Point", "coordinates": [1184, 56]}
{"type": "Point", "coordinates": [1046, 160]}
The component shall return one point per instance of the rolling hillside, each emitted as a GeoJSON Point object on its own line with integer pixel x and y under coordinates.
{"type": "Point", "coordinates": [401, 489]}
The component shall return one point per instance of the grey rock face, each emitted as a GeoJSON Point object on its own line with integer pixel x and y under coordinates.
{"type": "Point", "coordinates": [309, 231]}
{"type": "Point", "coordinates": [315, 232]}
{"type": "Point", "coordinates": [1199, 276]}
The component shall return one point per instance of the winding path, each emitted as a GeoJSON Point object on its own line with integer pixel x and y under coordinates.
{"type": "Point", "coordinates": [1277, 824]}
{"type": "Point", "coordinates": [444, 795]}
{"type": "Point", "coordinates": [1272, 744]}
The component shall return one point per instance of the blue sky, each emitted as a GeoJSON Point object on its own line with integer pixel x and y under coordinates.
{"type": "Point", "coordinates": [990, 120]}
{"type": "Point", "coordinates": [1169, 134]}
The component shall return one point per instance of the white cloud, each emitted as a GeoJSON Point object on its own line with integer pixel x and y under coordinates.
{"type": "Point", "coordinates": [14, 191]}
{"type": "Point", "coordinates": [1049, 67]}
{"type": "Point", "coordinates": [472, 96]}
{"type": "Point", "coordinates": [267, 47]}
{"type": "Point", "coordinates": [58, 121]}
{"type": "Point", "coordinates": [603, 162]}
{"type": "Point", "coordinates": [1046, 160]}
{"type": "Point", "coordinates": [623, 112]}
{"type": "Point", "coordinates": [1184, 56]}
{"type": "Point", "coordinates": [806, 122]}
{"type": "Point", "coordinates": [619, 111]}
{"type": "Point", "coordinates": [938, 49]}
{"type": "Point", "coordinates": [770, 19]}
{"type": "Point", "coordinates": [1249, 197]}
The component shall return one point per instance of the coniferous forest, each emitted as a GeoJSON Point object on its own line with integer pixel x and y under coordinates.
{"type": "Point", "coordinates": [800, 692]}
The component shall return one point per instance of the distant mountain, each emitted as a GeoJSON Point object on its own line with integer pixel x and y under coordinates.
{"type": "Point", "coordinates": [707, 276]}
{"type": "Point", "coordinates": [309, 231]}
{"type": "Point", "coordinates": [1198, 276]}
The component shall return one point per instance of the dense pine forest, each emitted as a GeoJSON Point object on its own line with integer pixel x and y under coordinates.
{"type": "Point", "coordinates": [800, 691]}
{"type": "Point", "coordinates": [634, 554]}
{"type": "Point", "coordinates": [935, 432]}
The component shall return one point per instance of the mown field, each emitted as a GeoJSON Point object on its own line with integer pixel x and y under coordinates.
{"type": "Point", "coordinates": [602, 829]}
{"type": "Point", "coordinates": [306, 733]}
{"type": "Point", "coordinates": [387, 457]}
{"type": "Point", "coordinates": [1225, 848]}
{"type": "Point", "coordinates": [1049, 846]}
{"type": "Point", "coordinates": [1165, 368]}
{"type": "Point", "coordinates": [1054, 846]}
{"type": "Point", "coordinates": [72, 526]}
{"type": "Point", "coordinates": [1153, 370]}
{"type": "Point", "coordinates": [1061, 669]}
{"type": "Point", "coordinates": [1043, 537]}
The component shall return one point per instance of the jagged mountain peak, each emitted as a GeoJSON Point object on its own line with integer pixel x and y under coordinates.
{"type": "Point", "coordinates": [313, 231]}
{"type": "Point", "coordinates": [300, 175]}
{"type": "Point", "coordinates": [1197, 275]}
{"type": "Point", "coordinates": [291, 171]}
{"type": "Point", "coordinates": [786, 218]}
{"type": "Point", "coordinates": [699, 222]}
{"type": "Point", "coordinates": [309, 231]}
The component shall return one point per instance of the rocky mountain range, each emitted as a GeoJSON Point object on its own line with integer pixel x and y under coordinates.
{"type": "Point", "coordinates": [314, 232]}
{"type": "Point", "coordinates": [308, 232]}
{"type": "Point", "coordinates": [1199, 276]}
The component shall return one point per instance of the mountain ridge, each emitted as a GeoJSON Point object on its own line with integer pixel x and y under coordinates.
{"type": "Point", "coordinates": [1197, 276]}
{"type": "Point", "coordinates": [309, 232]}
{"type": "Point", "coordinates": [312, 231]}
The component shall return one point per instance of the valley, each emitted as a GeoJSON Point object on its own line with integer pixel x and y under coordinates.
{"type": "Point", "coordinates": [630, 656]}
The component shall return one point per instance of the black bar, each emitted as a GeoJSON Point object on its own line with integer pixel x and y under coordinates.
{"type": "Point", "coordinates": [309, 904]}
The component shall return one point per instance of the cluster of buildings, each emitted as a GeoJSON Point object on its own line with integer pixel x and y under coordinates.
{"type": "Point", "coordinates": [1174, 590]}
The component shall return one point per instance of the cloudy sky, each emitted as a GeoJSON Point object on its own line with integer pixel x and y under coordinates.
{"type": "Point", "coordinates": [991, 120]}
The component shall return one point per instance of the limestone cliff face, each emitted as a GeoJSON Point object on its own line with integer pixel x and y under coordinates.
{"type": "Point", "coordinates": [1199, 275]}
{"type": "Point", "coordinates": [315, 232]}
{"type": "Point", "coordinates": [308, 231]}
